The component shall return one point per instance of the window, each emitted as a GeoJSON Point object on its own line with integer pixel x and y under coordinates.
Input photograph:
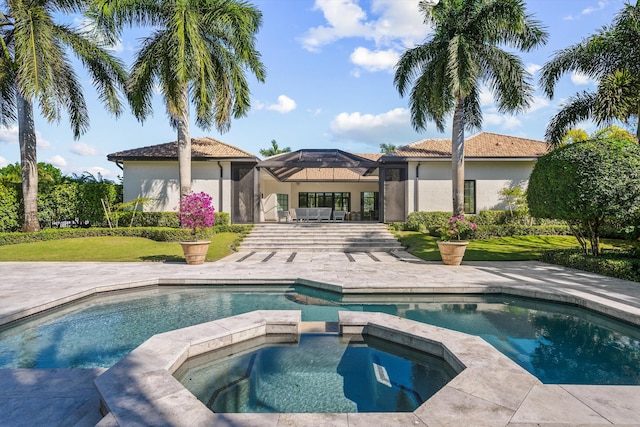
{"type": "Point", "coordinates": [337, 201]}
{"type": "Point", "coordinates": [283, 202]}
{"type": "Point", "coordinates": [469, 197]}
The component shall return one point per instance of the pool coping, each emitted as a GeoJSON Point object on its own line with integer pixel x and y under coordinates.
{"type": "Point", "coordinates": [623, 312]}
{"type": "Point", "coordinates": [493, 390]}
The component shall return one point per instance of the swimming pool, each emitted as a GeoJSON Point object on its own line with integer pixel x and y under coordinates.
{"type": "Point", "coordinates": [558, 344]}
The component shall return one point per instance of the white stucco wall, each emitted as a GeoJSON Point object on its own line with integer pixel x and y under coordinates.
{"type": "Point", "coordinates": [159, 181]}
{"type": "Point", "coordinates": [434, 183]}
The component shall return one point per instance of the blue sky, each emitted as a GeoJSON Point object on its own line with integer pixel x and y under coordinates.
{"type": "Point", "coordinates": [329, 84]}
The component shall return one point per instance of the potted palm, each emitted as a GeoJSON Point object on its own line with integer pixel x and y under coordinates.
{"type": "Point", "coordinates": [197, 213]}
{"type": "Point", "coordinates": [451, 244]}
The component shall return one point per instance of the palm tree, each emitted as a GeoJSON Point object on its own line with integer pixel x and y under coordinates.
{"type": "Point", "coordinates": [611, 57]}
{"type": "Point", "coordinates": [35, 67]}
{"type": "Point", "coordinates": [387, 148]}
{"type": "Point", "coordinates": [198, 53]}
{"type": "Point", "coordinates": [445, 73]}
{"type": "Point", "coordinates": [274, 149]}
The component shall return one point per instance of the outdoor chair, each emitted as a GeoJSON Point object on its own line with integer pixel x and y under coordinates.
{"type": "Point", "coordinates": [339, 215]}
{"type": "Point", "coordinates": [284, 215]}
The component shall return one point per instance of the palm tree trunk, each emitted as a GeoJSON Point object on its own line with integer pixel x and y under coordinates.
{"type": "Point", "coordinates": [184, 145]}
{"type": "Point", "coordinates": [457, 158]}
{"type": "Point", "coordinates": [29, 162]}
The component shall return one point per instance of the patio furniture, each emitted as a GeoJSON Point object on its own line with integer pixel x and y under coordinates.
{"type": "Point", "coordinates": [324, 214]}
{"type": "Point", "coordinates": [313, 214]}
{"type": "Point", "coordinates": [339, 215]}
{"type": "Point", "coordinates": [284, 215]}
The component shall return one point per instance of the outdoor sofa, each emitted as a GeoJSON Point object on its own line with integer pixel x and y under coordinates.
{"type": "Point", "coordinates": [313, 214]}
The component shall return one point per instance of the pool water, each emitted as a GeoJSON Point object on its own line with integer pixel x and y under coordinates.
{"type": "Point", "coordinates": [558, 344]}
{"type": "Point", "coordinates": [321, 373]}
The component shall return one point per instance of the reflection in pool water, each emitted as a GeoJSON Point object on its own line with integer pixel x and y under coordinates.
{"type": "Point", "coordinates": [557, 344]}
{"type": "Point", "coordinates": [321, 373]}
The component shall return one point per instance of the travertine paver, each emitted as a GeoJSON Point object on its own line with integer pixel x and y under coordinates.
{"type": "Point", "coordinates": [30, 287]}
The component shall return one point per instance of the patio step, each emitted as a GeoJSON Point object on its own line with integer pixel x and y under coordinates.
{"type": "Point", "coordinates": [320, 237]}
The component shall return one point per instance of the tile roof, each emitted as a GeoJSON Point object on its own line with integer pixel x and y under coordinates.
{"type": "Point", "coordinates": [482, 145]}
{"type": "Point", "coordinates": [201, 148]}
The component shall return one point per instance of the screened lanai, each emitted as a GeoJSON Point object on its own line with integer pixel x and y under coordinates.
{"type": "Point", "coordinates": [330, 178]}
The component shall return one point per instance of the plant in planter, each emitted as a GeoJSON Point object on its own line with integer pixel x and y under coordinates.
{"type": "Point", "coordinates": [451, 244]}
{"type": "Point", "coordinates": [197, 213]}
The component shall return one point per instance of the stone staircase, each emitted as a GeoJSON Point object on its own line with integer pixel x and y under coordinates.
{"type": "Point", "coordinates": [320, 237]}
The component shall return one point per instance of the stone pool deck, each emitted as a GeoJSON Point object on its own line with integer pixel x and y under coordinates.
{"type": "Point", "coordinates": [66, 397]}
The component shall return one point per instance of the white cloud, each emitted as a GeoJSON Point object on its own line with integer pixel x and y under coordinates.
{"type": "Point", "coordinates": [82, 149]}
{"type": "Point", "coordinates": [57, 161]}
{"type": "Point", "coordinates": [587, 11]}
{"type": "Point", "coordinates": [391, 22]}
{"type": "Point", "coordinates": [538, 103]}
{"type": "Point", "coordinates": [390, 127]}
{"type": "Point", "coordinates": [3, 162]}
{"type": "Point", "coordinates": [486, 97]}
{"type": "Point", "coordinates": [284, 105]}
{"type": "Point", "coordinates": [315, 112]}
{"type": "Point", "coordinates": [378, 60]}
{"type": "Point", "coordinates": [533, 68]}
{"type": "Point", "coordinates": [502, 121]}
{"type": "Point", "coordinates": [10, 136]}
{"type": "Point", "coordinates": [592, 9]}
{"type": "Point", "coordinates": [510, 122]}
{"type": "Point", "coordinates": [580, 79]}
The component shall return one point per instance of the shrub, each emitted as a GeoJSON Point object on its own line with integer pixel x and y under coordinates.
{"type": "Point", "coordinates": [588, 184]}
{"type": "Point", "coordinates": [222, 219]}
{"type": "Point", "coordinates": [159, 234]}
{"type": "Point", "coordinates": [484, 232]}
{"type": "Point", "coordinates": [427, 222]}
{"type": "Point", "coordinates": [490, 217]}
{"type": "Point", "coordinates": [614, 263]}
{"type": "Point", "coordinates": [9, 215]}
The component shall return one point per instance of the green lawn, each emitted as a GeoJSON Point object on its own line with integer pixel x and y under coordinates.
{"type": "Point", "coordinates": [519, 248]}
{"type": "Point", "coordinates": [111, 249]}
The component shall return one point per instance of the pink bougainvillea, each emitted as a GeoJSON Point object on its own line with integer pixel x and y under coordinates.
{"type": "Point", "coordinates": [456, 228]}
{"type": "Point", "coordinates": [196, 212]}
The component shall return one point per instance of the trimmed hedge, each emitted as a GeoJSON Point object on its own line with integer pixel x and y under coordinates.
{"type": "Point", "coordinates": [614, 263]}
{"type": "Point", "coordinates": [490, 224]}
{"type": "Point", "coordinates": [484, 232]}
{"type": "Point", "coordinates": [163, 219]}
{"type": "Point", "coordinates": [159, 234]}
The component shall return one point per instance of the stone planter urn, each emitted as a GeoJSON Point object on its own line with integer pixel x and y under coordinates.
{"type": "Point", "coordinates": [452, 252]}
{"type": "Point", "coordinates": [195, 252]}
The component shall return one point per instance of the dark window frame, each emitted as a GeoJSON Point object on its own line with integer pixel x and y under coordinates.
{"type": "Point", "coordinates": [470, 199]}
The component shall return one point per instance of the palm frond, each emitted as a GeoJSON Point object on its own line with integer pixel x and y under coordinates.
{"type": "Point", "coordinates": [506, 77]}
{"type": "Point", "coordinates": [107, 72]}
{"type": "Point", "coordinates": [577, 108]}
{"type": "Point", "coordinates": [618, 96]}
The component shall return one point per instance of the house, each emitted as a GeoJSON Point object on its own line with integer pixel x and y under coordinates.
{"type": "Point", "coordinates": [374, 187]}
